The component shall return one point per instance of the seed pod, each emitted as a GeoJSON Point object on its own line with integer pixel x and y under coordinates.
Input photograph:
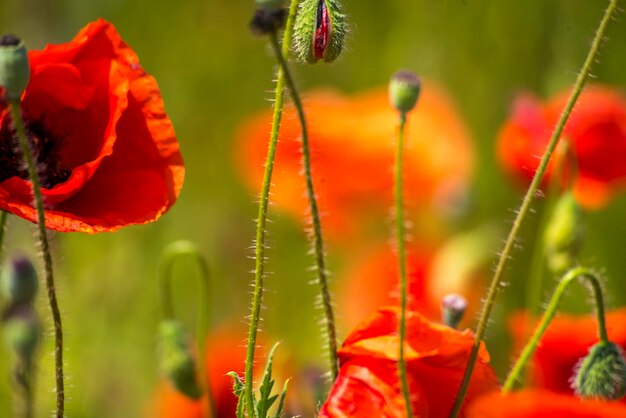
{"type": "Point", "coordinates": [14, 66]}
{"type": "Point", "coordinates": [602, 373]}
{"type": "Point", "coordinates": [19, 282]}
{"type": "Point", "coordinates": [22, 331]}
{"type": "Point", "coordinates": [563, 235]}
{"type": "Point", "coordinates": [176, 362]}
{"type": "Point", "coordinates": [453, 308]}
{"type": "Point", "coordinates": [319, 31]}
{"type": "Point", "coordinates": [404, 90]}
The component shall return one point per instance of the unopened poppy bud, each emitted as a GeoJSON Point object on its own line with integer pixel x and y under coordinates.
{"type": "Point", "coordinates": [270, 4]}
{"type": "Point", "coordinates": [319, 31]}
{"type": "Point", "coordinates": [19, 282]}
{"type": "Point", "coordinates": [176, 362]}
{"type": "Point", "coordinates": [404, 90]}
{"type": "Point", "coordinates": [22, 331]}
{"type": "Point", "coordinates": [268, 20]}
{"type": "Point", "coordinates": [563, 234]}
{"type": "Point", "coordinates": [453, 308]}
{"type": "Point", "coordinates": [602, 373]}
{"type": "Point", "coordinates": [14, 66]}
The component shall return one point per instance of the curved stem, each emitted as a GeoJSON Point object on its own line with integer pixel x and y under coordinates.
{"type": "Point", "coordinates": [524, 208]}
{"type": "Point", "coordinates": [317, 240]}
{"type": "Point", "coordinates": [400, 238]}
{"type": "Point", "coordinates": [259, 252]}
{"type": "Point", "coordinates": [46, 254]}
{"type": "Point", "coordinates": [531, 346]}
{"type": "Point", "coordinates": [174, 251]}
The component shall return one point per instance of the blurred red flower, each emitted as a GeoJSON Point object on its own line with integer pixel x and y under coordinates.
{"type": "Point", "coordinates": [436, 357]}
{"type": "Point", "coordinates": [105, 149]}
{"type": "Point", "coordinates": [566, 341]}
{"type": "Point", "coordinates": [352, 156]}
{"type": "Point", "coordinates": [596, 131]}
{"type": "Point", "coordinates": [541, 404]}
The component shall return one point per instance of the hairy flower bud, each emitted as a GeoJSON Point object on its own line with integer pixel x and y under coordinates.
{"type": "Point", "coordinates": [319, 31]}
{"type": "Point", "coordinates": [404, 90]}
{"type": "Point", "coordinates": [453, 308]}
{"type": "Point", "coordinates": [176, 362]}
{"type": "Point", "coordinates": [14, 66]}
{"type": "Point", "coordinates": [563, 234]}
{"type": "Point", "coordinates": [602, 373]}
{"type": "Point", "coordinates": [18, 280]}
{"type": "Point", "coordinates": [22, 331]}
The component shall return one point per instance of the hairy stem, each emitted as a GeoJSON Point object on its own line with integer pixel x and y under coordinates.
{"type": "Point", "coordinates": [400, 238]}
{"type": "Point", "coordinates": [46, 254]}
{"type": "Point", "coordinates": [531, 346]}
{"type": "Point", "coordinates": [524, 208]}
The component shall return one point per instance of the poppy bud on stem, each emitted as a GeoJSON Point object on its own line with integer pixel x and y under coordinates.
{"type": "Point", "coordinates": [14, 76]}
{"type": "Point", "coordinates": [320, 30]}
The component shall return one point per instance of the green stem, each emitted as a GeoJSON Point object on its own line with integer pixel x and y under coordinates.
{"type": "Point", "coordinates": [46, 254]}
{"type": "Point", "coordinates": [524, 208]}
{"type": "Point", "coordinates": [400, 238]}
{"type": "Point", "coordinates": [316, 238]}
{"type": "Point", "coordinates": [3, 223]}
{"type": "Point", "coordinates": [529, 349]}
{"type": "Point", "coordinates": [170, 255]}
{"type": "Point", "coordinates": [259, 267]}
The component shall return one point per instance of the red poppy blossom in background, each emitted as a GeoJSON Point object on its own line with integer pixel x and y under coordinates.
{"type": "Point", "coordinates": [105, 149]}
{"type": "Point", "coordinates": [541, 404]}
{"type": "Point", "coordinates": [436, 356]}
{"type": "Point", "coordinates": [596, 131]}
{"type": "Point", "coordinates": [352, 156]}
{"type": "Point", "coordinates": [566, 341]}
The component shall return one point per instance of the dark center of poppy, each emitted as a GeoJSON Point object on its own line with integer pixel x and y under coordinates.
{"type": "Point", "coordinates": [46, 150]}
{"type": "Point", "coordinates": [9, 40]}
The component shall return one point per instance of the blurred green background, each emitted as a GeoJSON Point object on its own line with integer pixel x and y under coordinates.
{"type": "Point", "coordinates": [212, 74]}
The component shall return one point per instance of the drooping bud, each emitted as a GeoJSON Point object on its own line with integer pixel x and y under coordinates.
{"type": "Point", "coordinates": [563, 234]}
{"type": "Point", "coordinates": [22, 332]}
{"type": "Point", "coordinates": [18, 281]}
{"type": "Point", "coordinates": [14, 66]}
{"type": "Point", "coordinates": [602, 373]}
{"type": "Point", "coordinates": [270, 4]}
{"type": "Point", "coordinates": [453, 308]}
{"type": "Point", "coordinates": [319, 31]}
{"type": "Point", "coordinates": [176, 362]}
{"type": "Point", "coordinates": [404, 90]}
{"type": "Point", "coordinates": [268, 20]}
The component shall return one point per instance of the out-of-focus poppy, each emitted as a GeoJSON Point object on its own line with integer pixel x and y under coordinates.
{"type": "Point", "coordinates": [436, 356]}
{"type": "Point", "coordinates": [352, 156]}
{"type": "Point", "coordinates": [566, 341]}
{"type": "Point", "coordinates": [105, 149]}
{"type": "Point", "coordinates": [541, 404]}
{"type": "Point", "coordinates": [596, 131]}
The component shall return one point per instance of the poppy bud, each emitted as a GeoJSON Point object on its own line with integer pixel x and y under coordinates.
{"type": "Point", "coordinates": [319, 31]}
{"type": "Point", "coordinates": [19, 282]}
{"type": "Point", "coordinates": [453, 308]}
{"type": "Point", "coordinates": [176, 361]}
{"type": "Point", "coordinates": [270, 4]}
{"type": "Point", "coordinates": [602, 373]}
{"type": "Point", "coordinates": [563, 234]}
{"type": "Point", "coordinates": [21, 331]}
{"type": "Point", "coordinates": [14, 66]}
{"type": "Point", "coordinates": [404, 90]}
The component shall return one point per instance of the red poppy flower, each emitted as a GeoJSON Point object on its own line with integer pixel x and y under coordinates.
{"type": "Point", "coordinates": [105, 149]}
{"type": "Point", "coordinates": [436, 357]}
{"type": "Point", "coordinates": [352, 156]}
{"type": "Point", "coordinates": [596, 131]}
{"type": "Point", "coordinates": [566, 341]}
{"type": "Point", "coordinates": [541, 404]}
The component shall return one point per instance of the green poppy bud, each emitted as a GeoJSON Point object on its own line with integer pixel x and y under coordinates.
{"type": "Point", "coordinates": [453, 308]}
{"type": "Point", "coordinates": [22, 331]}
{"type": "Point", "coordinates": [18, 281]}
{"type": "Point", "coordinates": [563, 235]}
{"type": "Point", "coordinates": [14, 66]}
{"type": "Point", "coordinates": [319, 31]}
{"type": "Point", "coordinates": [602, 373]}
{"type": "Point", "coordinates": [176, 362]}
{"type": "Point", "coordinates": [404, 90]}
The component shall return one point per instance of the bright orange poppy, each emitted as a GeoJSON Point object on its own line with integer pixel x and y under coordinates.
{"type": "Point", "coordinates": [105, 149]}
{"type": "Point", "coordinates": [541, 404]}
{"type": "Point", "coordinates": [352, 153]}
{"type": "Point", "coordinates": [566, 341]}
{"type": "Point", "coordinates": [436, 356]}
{"type": "Point", "coordinates": [596, 131]}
